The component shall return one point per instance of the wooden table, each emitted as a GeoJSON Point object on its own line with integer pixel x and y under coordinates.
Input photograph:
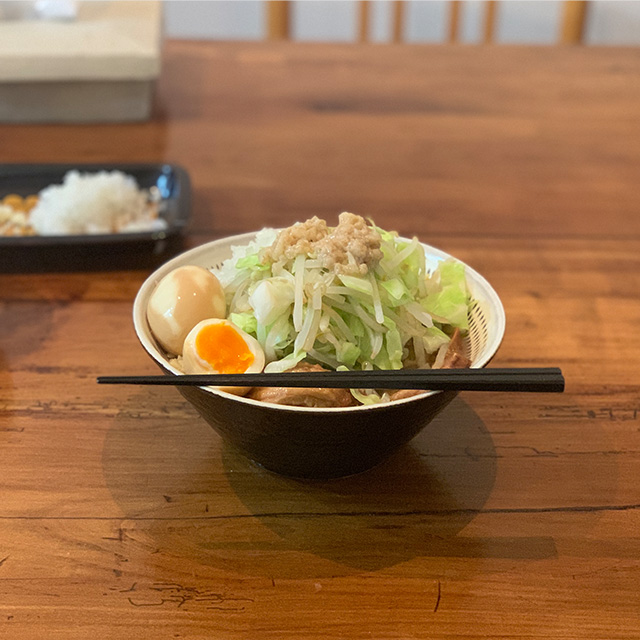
{"type": "Point", "coordinates": [123, 515]}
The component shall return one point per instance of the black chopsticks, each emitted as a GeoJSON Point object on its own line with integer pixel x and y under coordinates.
{"type": "Point", "coordinates": [537, 379]}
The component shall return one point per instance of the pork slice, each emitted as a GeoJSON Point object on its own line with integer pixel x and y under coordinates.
{"type": "Point", "coordinates": [317, 397]}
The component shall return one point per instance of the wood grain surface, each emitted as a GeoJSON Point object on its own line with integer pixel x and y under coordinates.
{"type": "Point", "coordinates": [123, 515]}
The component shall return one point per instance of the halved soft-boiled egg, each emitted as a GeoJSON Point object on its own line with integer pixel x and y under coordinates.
{"type": "Point", "coordinates": [218, 346]}
{"type": "Point", "coordinates": [184, 297]}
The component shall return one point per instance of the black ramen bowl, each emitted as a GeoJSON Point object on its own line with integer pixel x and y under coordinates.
{"type": "Point", "coordinates": [320, 442]}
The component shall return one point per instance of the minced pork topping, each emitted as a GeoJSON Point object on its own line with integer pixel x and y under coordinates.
{"type": "Point", "coordinates": [351, 248]}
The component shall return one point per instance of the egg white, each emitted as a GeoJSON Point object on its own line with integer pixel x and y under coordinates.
{"type": "Point", "coordinates": [184, 297]}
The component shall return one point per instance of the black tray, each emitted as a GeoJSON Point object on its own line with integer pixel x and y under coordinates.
{"type": "Point", "coordinates": [113, 250]}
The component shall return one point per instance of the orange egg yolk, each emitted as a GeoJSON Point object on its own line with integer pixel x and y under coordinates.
{"type": "Point", "coordinates": [225, 350]}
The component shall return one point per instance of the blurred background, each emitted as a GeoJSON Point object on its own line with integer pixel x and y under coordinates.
{"type": "Point", "coordinates": [608, 22]}
{"type": "Point", "coordinates": [97, 61]}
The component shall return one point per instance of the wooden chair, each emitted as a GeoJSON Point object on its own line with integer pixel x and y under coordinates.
{"type": "Point", "coordinates": [572, 31]}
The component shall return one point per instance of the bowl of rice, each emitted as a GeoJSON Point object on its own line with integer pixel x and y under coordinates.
{"type": "Point", "coordinates": [310, 438]}
{"type": "Point", "coordinates": [55, 205]}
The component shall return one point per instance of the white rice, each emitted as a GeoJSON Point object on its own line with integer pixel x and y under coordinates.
{"type": "Point", "coordinates": [94, 203]}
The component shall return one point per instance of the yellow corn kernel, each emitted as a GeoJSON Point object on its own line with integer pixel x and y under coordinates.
{"type": "Point", "coordinates": [29, 203]}
{"type": "Point", "coordinates": [14, 201]}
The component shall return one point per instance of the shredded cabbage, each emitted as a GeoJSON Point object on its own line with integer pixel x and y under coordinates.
{"type": "Point", "coordinates": [397, 315]}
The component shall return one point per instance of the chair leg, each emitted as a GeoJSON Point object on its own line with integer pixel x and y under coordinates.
{"type": "Point", "coordinates": [278, 21]}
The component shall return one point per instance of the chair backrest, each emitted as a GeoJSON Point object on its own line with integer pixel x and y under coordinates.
{"type": "Point", "coordinates": [571, 32]}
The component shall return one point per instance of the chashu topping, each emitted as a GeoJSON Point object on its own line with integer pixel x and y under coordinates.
{"type": "Point", "coordinates": [304, 397]}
